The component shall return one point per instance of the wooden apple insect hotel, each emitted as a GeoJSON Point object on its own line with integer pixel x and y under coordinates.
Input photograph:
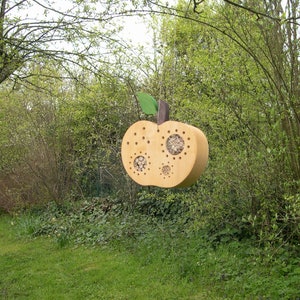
{"type": "Point", "coordinates": [167, 154]}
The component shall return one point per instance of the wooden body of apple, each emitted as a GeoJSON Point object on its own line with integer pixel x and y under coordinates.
{"type": "Point", "coordinates": [172, 154]}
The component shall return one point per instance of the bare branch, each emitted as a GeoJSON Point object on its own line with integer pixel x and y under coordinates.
{"type": "Point", "coordinates": [196, 4]}
{"type": "Point", "coordinates": [258, 13]}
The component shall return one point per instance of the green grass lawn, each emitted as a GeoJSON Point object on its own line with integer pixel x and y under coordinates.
{"type": "Point", "coordinates": [150, 266]}
{"type": "Point", "coordinates": [39, 269]}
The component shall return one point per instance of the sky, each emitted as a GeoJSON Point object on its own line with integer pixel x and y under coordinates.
{"type": "Point", "coordinates": [138, 29]}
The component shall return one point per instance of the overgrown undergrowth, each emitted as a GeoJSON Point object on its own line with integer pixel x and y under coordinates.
{"type": "Point", "coordinates": [235, 269]}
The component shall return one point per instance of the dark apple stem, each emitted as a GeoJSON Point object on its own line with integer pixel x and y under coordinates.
{"type": "Point", "coordinates": [163, 112]}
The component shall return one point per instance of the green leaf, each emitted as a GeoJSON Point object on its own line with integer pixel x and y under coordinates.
{"type": "Point", "coordinates": [148, 103]}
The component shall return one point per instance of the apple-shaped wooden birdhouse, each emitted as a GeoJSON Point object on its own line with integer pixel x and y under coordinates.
{"type": "Point", "coordinates": [165, 154]}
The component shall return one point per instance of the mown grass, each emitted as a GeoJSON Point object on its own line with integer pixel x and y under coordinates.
{"type": "Point", "coordinates": [78, 256]}
{"type": "Point", "coordinates": [40, 269]}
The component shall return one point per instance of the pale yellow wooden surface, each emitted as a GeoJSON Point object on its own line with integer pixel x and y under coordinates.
{"type": "Point", "coordinates": [172, 154]}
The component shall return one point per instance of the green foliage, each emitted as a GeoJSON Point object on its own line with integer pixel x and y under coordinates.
{"type": "Point", "coordinates": [165, 205]}
{"type": "Point", "coordinates": [93, 222]}
{"type": "Point", "coordinates": [36, 172]}
{"type": "Point", "coordinates": [224, 71]}
{"type": "Point", "coordinates": [62, 144]}
{"type": "Point", "coordinates": [220, 65]}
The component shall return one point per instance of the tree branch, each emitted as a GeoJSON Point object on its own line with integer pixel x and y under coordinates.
{"type": "Point", "coordinates": [252, 10]}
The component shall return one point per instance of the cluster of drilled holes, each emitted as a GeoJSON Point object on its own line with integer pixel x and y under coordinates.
{"type": "Point", "coordinates": [175, 144]}
{"type": "Point", "coordinates": [140, 163]}
{"type": "Point", "coordinates": [166, 170]}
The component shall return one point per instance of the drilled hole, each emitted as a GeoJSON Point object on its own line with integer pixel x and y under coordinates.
{"type": "Point", "coordinates": [175, 144]}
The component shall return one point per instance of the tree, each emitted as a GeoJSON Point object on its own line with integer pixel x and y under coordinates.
{"type": "Point", "coordinates": [57, 136]}
{"type": "Point", "coordinates": [75, 34]}
{"type": "Point", "coordinates": [234, 69]}
{"type": "Point", "coordinates": [65, 144]}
